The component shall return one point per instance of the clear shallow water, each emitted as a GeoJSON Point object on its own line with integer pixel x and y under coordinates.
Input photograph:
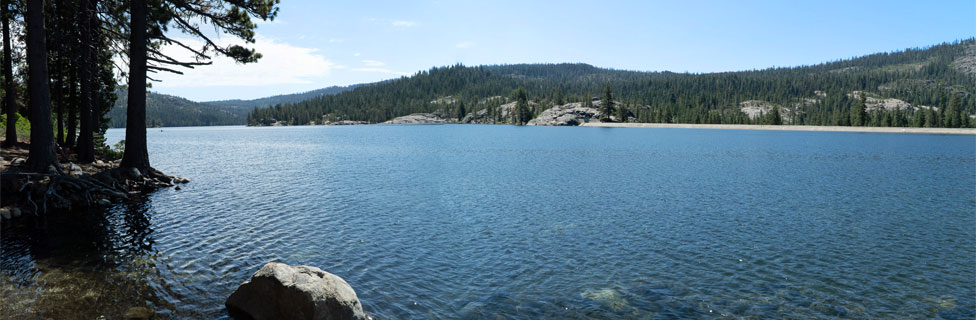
{"type": "Point", "coordinates": [528, 222]}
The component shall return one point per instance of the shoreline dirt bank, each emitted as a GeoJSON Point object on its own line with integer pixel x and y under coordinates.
{"type": "Point", "coordinates": [100, 183]}
{"type": "Point", "coordinates": [962, 131]}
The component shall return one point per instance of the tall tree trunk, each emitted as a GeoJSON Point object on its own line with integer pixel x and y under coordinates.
{"type": "Point", "coordinates": [85, 147]}
{"type": "Point", "coordinates": [72, 111]}
{"type": "Point", "coordinates": [59, 102]}
{"type": "Point", "coordinates": [8, 75]}
{"type": "Point", "coordinates": [136, 153]}
{"type": "Point", "coordinates": [58, 83]}
{"type": "Point", "coordinates": [42, 154]}
{"type": "Point", "coordinates": [96, 55]}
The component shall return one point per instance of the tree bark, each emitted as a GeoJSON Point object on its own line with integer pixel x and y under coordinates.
{"type": "Point", "coordinates": [8, 75]}
{"type": "Point", "coordinates": [58, 83]}
{"type": "Point", "coordinates": [136, 154]}
{"type": "Point", "coordinates": [72, 111]}
{"type": "Point", "coordinates": [85, 148]}
{"type": "Point", "coordinates": [97, 54]}
{"type": "Point", "coordinates": [42, 154]}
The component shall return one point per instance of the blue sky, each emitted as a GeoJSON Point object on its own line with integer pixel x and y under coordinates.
{"type": "Point", "coordinates": [314, 44]}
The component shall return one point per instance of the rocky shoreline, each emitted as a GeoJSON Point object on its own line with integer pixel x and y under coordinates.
{"type": "Point", "coordinates": [576, 114]}
{"type": "Point", "coordinates": [419, 118]}
{"type": "Point", "coordinates": [101, 183]}
{"type": "Point", "coordinates": [960, 131]}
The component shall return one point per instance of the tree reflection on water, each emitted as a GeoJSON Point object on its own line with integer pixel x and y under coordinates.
{"type": "Point", "coordinates": [79, 264]}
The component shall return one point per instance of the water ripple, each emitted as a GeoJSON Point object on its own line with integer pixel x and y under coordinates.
{"type": "Point", "coordinates": [474, 222]}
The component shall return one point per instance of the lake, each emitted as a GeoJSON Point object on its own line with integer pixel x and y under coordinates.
{"type": "Point", "coordinates": [482, 221]}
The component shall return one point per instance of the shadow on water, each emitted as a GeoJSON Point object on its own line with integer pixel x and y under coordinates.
{"type": "Point", "coordinates": [81, 264]}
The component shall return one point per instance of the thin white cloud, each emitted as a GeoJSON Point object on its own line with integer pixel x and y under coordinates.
{"type": "Point", "coordinates": [465, 44]}
{"type": "Point", "coordinates": [381, 70]}
{"type": "Point", "coordinates": [373, 63]}
{"type": "Point", "coordinates": [281, 64]}
{"type": "Point", "coordinates": [356, 54]}
{"type": "Point", "coordinates": [338, 66]}
{"type": "Point", "coordinates": [336, 40]}
{"type": "Point", "coordinates": [403, 23]}
{"type": "Point", "coordinates": [260, 22]}
{"type": "Point", "coordinates": [395, 23]}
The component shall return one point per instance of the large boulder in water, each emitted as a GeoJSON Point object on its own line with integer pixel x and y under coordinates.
{"type": "Point", "coordinates": [280, 291]}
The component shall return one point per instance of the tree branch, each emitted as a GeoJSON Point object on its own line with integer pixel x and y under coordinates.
{"type": "Point", "coordinates": [153, 69]}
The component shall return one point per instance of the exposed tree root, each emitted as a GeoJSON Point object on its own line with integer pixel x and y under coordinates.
{"type": "Point", "coordinates": [46, 192]}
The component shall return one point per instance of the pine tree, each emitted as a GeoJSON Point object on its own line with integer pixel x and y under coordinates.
{"type": "Point", "coordinates": [606, 104]}
{"type": "Point", "coordinates": [622, 114]}
{"type": "Point", "coordinates": [841, 118]}
{"type": "Point", "coordinates": [522, 113]}
{"type": "Point", "coordinates": [147, 27]}
{"type": "Point", "coordinates": [918, 119]}
{"type": "Point", "coordinates": [773, 117]}
{"type": "Point", "coordinates": [931, 118]}
{"type": "Point", "coordinates": [86, 144]}
{"type": "Point", "coordinates": [859, 111]}
{"type": "Point", "coordinates": [461, 111]}
{"type": "Point", "coordinates": [9, 104]}
{"type": "Point", "coordinates": [42, 156]}
{"type": "Point", "coordinates": [952, 113]}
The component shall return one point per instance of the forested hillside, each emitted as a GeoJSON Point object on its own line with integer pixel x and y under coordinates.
{"type": "Point", "coordinates": [279, 99]}
{"type": "Point", "coordinates": [171, 111]}
{"type": "Point", "coordinates": [931, 86]}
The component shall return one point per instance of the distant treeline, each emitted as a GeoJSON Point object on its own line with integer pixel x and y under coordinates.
{"type": "Point", "coordinates": [822, 94]}
{"type": "Point", "coordinates": [171, 111]}
{"type": "Point", "coordinates": [283, 98]}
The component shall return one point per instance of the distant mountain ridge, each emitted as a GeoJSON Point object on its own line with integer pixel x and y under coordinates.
{"type": "Point", "coordinates": [163, 110]}
{"type": "Point", "coordinates": [282, 98]}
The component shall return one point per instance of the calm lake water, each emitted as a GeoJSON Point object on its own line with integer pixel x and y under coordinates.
{"type": "Point", "coordinates": [474, 221]}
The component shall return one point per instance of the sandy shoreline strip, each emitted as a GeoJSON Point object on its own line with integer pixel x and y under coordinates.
{"type": "Point", "coordinates": [968, 131]}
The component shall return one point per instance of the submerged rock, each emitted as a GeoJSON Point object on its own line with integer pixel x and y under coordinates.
{"type": "Point", "coordinates": [608, 297]}
{"type": "Point", "coordinates": [280, 291]}
{"type": "Point", "coordinates": [139, 313]}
